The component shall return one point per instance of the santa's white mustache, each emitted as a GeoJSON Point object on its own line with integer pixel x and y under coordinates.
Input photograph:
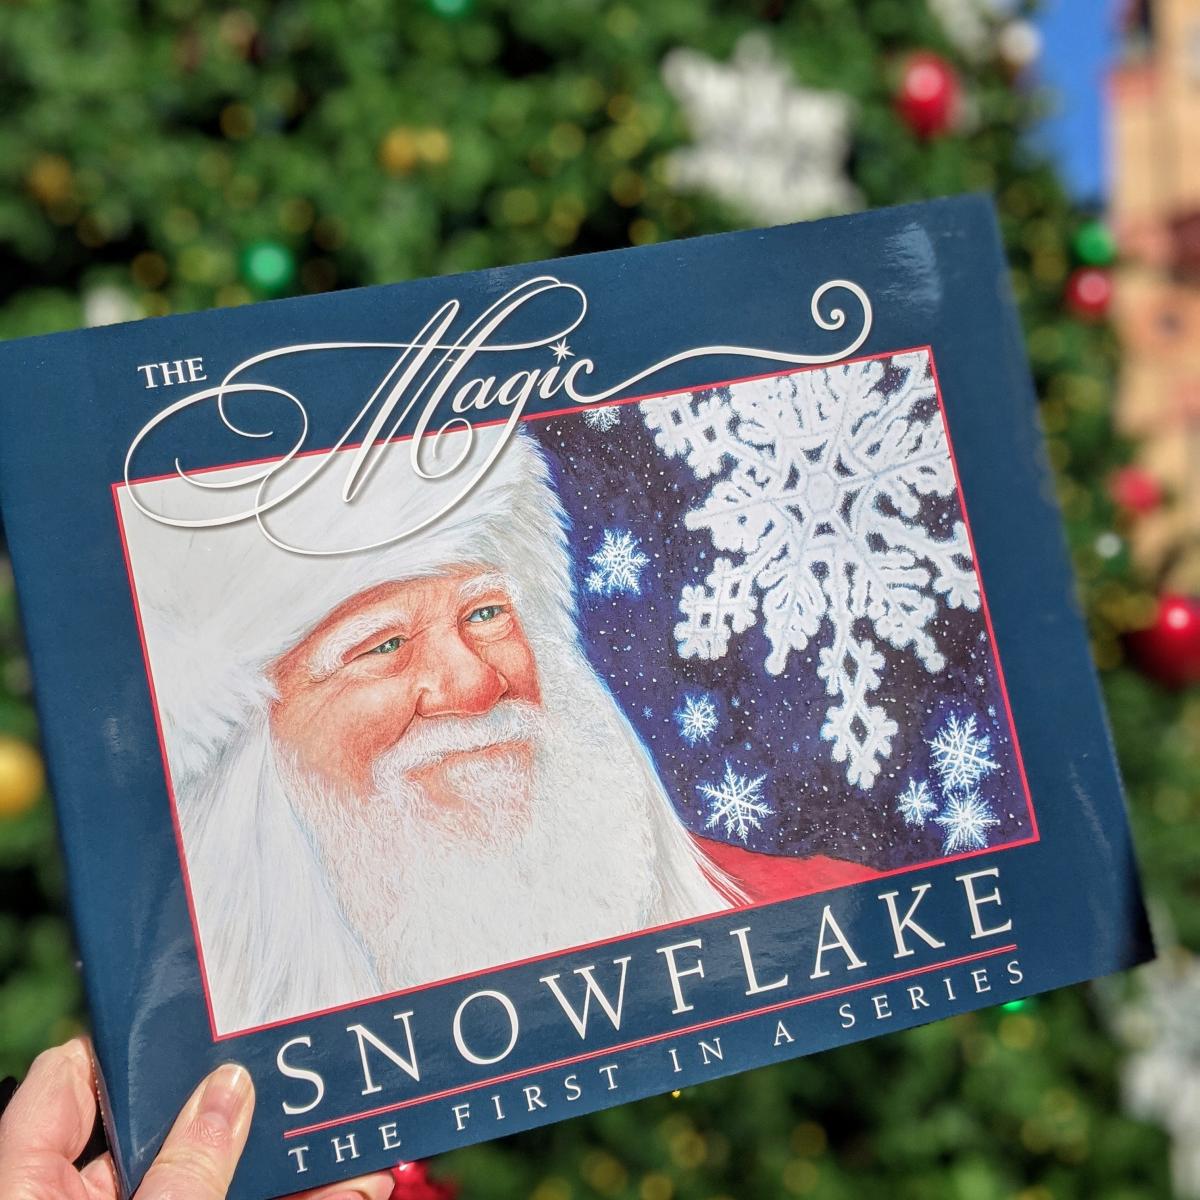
{"type": "Point", "coordinates": [430, 739]}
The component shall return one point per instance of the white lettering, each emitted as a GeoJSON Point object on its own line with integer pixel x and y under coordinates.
{"type": "Point", "coordinates": [514, 1026]}
{"type": "Point", "coordinates": [748, 965]}
{"type": "Point", "coordinates": [668, 952]}
{"type": "Point", "coordinates": [291, 1072]}
{"type": "Point", "coordinates": [408, 1065]}
{"type": "Point", "coordinates": [828, 922]}
{"type": "Point", "coordinates": [900, 924]}
{"type": "Point", "coordinates": [425, 370]}
{"type": "Point", "coordinates": [974, 902]}
{"type": "Point", "coordinates": [580, 1021]}
{"type": "Point", "coordinates": [343, 1147]}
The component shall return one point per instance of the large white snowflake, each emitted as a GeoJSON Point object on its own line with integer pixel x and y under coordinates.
{"type": "Point", "coordinates": [737, 801]}
{"type": "Point", "coordinates": [965, 822]}
{"type": "Point", "coordinates": [821, 488]}
{"type": "Point", "coordinates": [602, 419]}
{"type": "Point", "coordinates": [697, 719]}
{"type": "Point", "coordinates": [915, 803]}
{"type": "Point", "coordinates": [960, 754]}
{"type": "Point", "coordinates": [617, 565]}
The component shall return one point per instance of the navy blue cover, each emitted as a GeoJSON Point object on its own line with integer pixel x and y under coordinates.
{"type": "Point", "coordinates": [1063, 905]}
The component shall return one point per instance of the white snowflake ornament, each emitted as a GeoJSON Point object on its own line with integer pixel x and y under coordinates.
{"type": "Point", "coordinates": [966, 23]}
{"type": "Point", "coordinates": [773, 149]}
{"type": "Point", "coordinates": [736, 801]}
{"type": "Point", "coordinates": [1161, 1077]}
{"type": "Point", "coordinates": [820, 480]}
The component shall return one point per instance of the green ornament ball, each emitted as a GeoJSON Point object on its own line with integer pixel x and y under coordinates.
{"type": "Point", "coordinates": [1094, 244]}
{"type": "Point", "coordinates": [268, 266]}
{"type": "Point", "coordinates": [451, 8]}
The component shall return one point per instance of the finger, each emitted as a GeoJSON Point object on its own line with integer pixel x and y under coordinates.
{"type": "Point", "coordinates": [198, 1158]}
{"type": "Point", "coordinates": [100, 1179]}
{"type": "Point", "coordinates": [53, 1111]}
{"type": "Point", "coordinates": [366, 1187]}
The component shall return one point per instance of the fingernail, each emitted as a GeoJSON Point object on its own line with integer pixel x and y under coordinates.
{"type": "Point", "coordinates": [80, 1050]}
{"type": "Point", "coordinates": [226, 1094]}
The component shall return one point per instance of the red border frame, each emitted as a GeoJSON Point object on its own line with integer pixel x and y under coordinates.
{"type": "Point", "coordinates": [1034, 837]}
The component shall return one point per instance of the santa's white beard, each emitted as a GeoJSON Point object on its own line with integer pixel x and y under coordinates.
{"type": "Point", "coordinates": [314, 898]}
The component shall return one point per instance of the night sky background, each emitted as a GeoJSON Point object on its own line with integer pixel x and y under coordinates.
{"type": "Point", "coordinates": [619, 480]}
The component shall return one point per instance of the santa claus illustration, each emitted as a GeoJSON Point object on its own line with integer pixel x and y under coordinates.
{"type": "Point", "coordinates": [396, 765]}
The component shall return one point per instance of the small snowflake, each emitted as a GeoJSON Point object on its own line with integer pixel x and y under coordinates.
{"type": "Point", "coordinates": [602, 419]}
{"type": "Point", "coordinates": [915, 803]}
{"type": "Point", "coordinates": [697, 719]}
{"type": "Point", "coordinates": [737, 801]}
{"type": "Point", "coordinates": [647, 711]}
{"type": "Point", "coordinates": [960, 754]}
{"type": "Point", "coordinates": [966, 821]}
{"type": "Point", "coordinates": [618, 565]}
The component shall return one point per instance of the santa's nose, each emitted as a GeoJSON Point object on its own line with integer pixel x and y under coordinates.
{"type": "Point", "coordinates": [451, 678]}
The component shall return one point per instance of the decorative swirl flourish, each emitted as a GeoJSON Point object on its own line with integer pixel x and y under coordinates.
{"type": "Point", "coordinates": [425, 371]}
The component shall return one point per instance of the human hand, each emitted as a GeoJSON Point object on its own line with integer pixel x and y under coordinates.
{"type": "Point", "coordinates": [49, 1120]}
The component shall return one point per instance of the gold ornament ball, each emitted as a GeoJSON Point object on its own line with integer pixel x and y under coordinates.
{"type": "Point", "coordinates": [433, 145]}
{"type": "Point", "coordinates": [22, 777]}
{"type": "Point", "coordinates": [398, 151]}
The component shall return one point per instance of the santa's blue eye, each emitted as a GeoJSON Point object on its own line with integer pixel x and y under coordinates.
{"type": "Point", "coordinates": [389, 647]}
{"type": "Point", "coordinates": [489, 612]}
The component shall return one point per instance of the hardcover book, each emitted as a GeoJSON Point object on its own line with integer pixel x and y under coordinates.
{"type": "Point", "coordinates": [481, 700]}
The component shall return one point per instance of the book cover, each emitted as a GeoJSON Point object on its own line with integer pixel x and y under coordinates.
{"type": "Point", "coordinates": [477, 701]}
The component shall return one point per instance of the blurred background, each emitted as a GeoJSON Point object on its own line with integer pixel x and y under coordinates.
{"type": "Point", "coordinates": [161, 156]}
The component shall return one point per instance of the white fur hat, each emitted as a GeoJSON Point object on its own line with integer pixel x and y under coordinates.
{"type": "Point", "coordinates": [219, 605]}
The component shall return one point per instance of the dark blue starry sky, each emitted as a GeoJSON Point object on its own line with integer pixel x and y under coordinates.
{"type": "Point", "coordinates": [767, 725]}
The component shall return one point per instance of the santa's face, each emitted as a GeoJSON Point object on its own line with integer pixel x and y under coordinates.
{"type": "Point", "coordinates": [410, 671]}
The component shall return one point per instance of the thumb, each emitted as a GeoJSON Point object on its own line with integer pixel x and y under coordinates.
{"type": "Point", "coordinates": [198, 1158]}
{"type": "Point", "coordinates": [47, 1124]}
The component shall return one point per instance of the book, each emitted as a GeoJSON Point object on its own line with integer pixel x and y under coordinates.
{"type": "Point", "coordinates": [482, 700]}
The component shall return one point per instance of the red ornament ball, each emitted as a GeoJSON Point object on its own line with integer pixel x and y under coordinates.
{"type": "Point", "coordinates": [411, 1182]}
{"type": "Point", "coordinates": [929, 94]}
{"type": "Point", "coordinates": [1135, 490]}
{"type": "Point", "coordinates": [1168, 649]}
{"type": "Point", "coordinates": [1089, 293]}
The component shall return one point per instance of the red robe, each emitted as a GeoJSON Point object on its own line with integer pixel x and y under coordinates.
{"type": "Point", "coordinates": [766, 877]}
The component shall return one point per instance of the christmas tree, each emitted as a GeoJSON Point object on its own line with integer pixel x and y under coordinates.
{"type": "Point", "coordinates": [171, 156]}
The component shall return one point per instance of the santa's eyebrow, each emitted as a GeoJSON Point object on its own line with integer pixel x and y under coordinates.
{"type": "Point", "coordinates": [481, 585]}
{"type": "Point", "coordinates": [328, 657]}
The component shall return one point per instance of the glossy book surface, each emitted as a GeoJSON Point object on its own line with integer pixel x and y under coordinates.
{"type": "Point", "coordinates": [477, 701]}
